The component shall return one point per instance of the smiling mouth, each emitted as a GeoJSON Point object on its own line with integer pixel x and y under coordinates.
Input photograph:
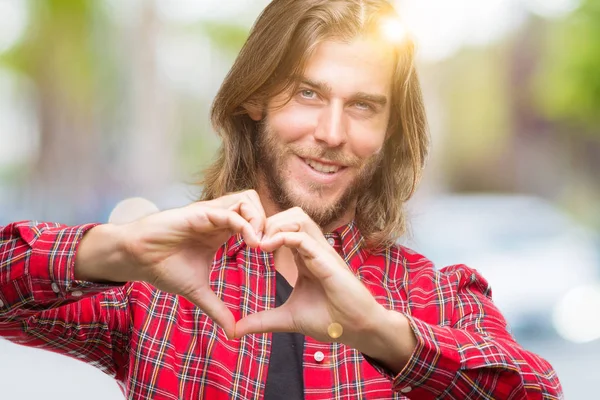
{"type": "Point", "coordinates": [323, 168]}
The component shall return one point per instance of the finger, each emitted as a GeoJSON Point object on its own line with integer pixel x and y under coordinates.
{"type": "Point", "coordinates": [315, 257]}
{"type": "Point", "coordinates": [214, 307]}
{"type": "Point", "coordinates": [275, 320]}
{"type": "Point", "coordinates": [227, 219]}
{"type": "Point", "coordinates": [292, 220]}
{"type": "Point", "coordinates": [281, 223]}
{"type": "Point", "coordinates": [252, 214]}
{"type": "Point", "coordinates": [286, 221]}
{"type": "Point", "coordinates": [247, 204]}
{"type": "Point", "coordinates": [300, 241]}
{"type": "Point", "coordinates": [225, 201]}
{"type": "Point", "coordinates": [262, 215]}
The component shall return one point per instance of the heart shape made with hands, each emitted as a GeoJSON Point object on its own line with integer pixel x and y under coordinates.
{"type": "Point", "coordinates": [327, 303]}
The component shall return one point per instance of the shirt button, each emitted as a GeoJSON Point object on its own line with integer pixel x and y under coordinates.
{"type": "Point", "coordinates": [405, 389]}
{"type": "Point", "coordinates": [55, 288]}
{"type": "Point", "coordinates": [319, 356]}
{"type": "Point", "coordinates": [331, 241]}
{"type": "Point", "coordinates": [1, 304]}
{"type": "Point", "coordinates": [77, 293]}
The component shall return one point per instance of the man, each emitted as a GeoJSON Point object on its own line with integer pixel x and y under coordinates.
{"type": "Point", "coordinates": [322, 116]}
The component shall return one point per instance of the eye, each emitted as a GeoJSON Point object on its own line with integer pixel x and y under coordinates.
{"type": "Point", "coordinates": [308, 94]}
{"type": "Point", "coordinates": [361, 105]}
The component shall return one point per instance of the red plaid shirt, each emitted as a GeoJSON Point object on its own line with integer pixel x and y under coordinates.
{"type": "Point", "coordinates": [160, 346]}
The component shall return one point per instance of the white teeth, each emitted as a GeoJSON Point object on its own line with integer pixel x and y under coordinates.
{"type": "Point", "coordinates": [317, 166]}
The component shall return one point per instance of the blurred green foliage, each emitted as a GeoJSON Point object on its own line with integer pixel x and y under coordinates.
{"type": "Point", "coordinates": [58, 43]}
{"type": "Point", "coordinates": [225, 36]}
{"type": "Point", "coordinates": [568, 85]}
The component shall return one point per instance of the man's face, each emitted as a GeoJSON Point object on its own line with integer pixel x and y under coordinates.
{"type": "Point", "coordinates": [320, 150]}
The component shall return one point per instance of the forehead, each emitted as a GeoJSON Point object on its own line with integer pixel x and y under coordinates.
{"type": "Point", "coordinates": [361, 65]}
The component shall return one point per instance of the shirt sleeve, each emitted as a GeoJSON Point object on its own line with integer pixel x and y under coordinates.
{"type": "Point", "coordinates": [474, 357]}
{"type": "Point", "coordinates": [42, 305]}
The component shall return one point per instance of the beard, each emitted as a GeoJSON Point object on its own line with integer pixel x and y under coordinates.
{"type": "Point", "coordinates": [271, 156]}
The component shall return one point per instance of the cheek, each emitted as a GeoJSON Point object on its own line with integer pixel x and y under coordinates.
{"type": "Point", "coordinates": [366, 149]}
{"type": "Point", "coordinates": [367, 142]}
{"type": "Point", "coordinates": [366, 137]}
{"type": "Point", "coordinates": [292, 123]}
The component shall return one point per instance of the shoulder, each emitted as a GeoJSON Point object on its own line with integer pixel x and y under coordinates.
{"type": "Point", "coordinates": [398, 259]}
{"type": "Point", "coordinates": [405, 263]}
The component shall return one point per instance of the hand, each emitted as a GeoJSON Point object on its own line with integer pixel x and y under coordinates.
{"type": "Point", "coordinates": [174, 250]}
{"type": "Point", "coordinates": [326, 290]}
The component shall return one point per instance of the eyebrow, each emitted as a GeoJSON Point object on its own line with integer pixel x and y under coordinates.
{"type": "Point", "coordinates": [361, 96]}
{"type": "Point", "coordinates": [373, 98]}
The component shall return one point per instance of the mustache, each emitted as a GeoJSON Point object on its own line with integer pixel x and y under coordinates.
{"type": "Point", "coordinates": [331, 155]}
{"type": "Point", "coordinates": [267, 142]}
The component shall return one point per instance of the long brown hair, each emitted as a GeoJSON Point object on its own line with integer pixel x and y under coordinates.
{"type": "Point", "coordinates": [280, 43]}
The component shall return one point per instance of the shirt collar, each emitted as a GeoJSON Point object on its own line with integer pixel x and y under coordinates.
{"type": "Point", "coordinates": [349, 243]}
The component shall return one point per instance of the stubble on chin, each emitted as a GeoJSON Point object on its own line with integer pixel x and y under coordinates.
{"type": "Point", "coordinates": [272, 158]}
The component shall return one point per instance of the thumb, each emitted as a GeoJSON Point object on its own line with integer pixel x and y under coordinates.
{"type": "Point", "coordinates": [276, 320]}
{"type": "Point", "coordinates": [214, 307]}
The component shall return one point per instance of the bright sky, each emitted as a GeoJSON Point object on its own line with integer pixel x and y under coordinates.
{"type": "Point", "coordinates": [441, 27]}
{"type": "Point", "coordinates": [13, 20]}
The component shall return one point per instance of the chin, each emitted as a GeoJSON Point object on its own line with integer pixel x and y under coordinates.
{"type": "Point", "coordinates": [323, 210]}
{"type": "Point", "coordinates": [314, 199]}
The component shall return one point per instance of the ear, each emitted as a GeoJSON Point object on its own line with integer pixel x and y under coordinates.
{"type": "Point", "coordinates": [254, 111]}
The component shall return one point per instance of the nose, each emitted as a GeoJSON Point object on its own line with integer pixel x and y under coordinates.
{"type": "Point", "coordinates": [331, 129]}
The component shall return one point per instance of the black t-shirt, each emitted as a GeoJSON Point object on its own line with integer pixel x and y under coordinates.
{"type": "Point", "coordinates": [285, 378]}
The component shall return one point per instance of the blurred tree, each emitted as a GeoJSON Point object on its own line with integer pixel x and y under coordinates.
{"type": "Point", "coordinates": [568, 84]}
{"type": "Point", "coordinates": [58, 55]}
{"type": "Point", "coordinates": [199, 144]}
{"type": "Point", "coordinates": [566, 91]}
{"type": "Point", "coordinates": [477, 118]}
{"type": "Point", "coordinates": [225, 36]}
{"type": "Point", "coordinates": [103, 109]}
{"type": "Point", "coordinates": [150, 150]}
{"type": "Point", "coordinates": [502, 136]}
